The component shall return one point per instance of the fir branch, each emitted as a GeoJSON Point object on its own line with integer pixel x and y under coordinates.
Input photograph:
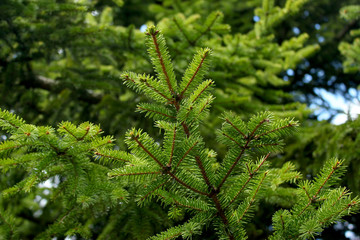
{"type": "Point", "coordinates": [234, 164]}
{"type": "Point", "coordinates": [137, 173]}
{"type": "Point", "coordinates": [67, 213]}
{"type": "Point", "coordinates": [144, 80]}
{"type": "Point", "coordinates": [153, 190]}
{"type": "Point", "coordinates": [153, 33]}
{"type": "Point", "coordinates": [221, 213]}
{"type": "Point", "coordinates": [207, 84]}
{"type": "Point", "coordinates": [252, 199]}
{"type": "Point", "coordinates": [180, 204]}
{"type": "Point", "coordinates": [202, 169]}
{"type": "Point", "coordinates": [336, 166]}
{"type": "Point", "coordinates": [232, 139]}
{"type": "Point", "coordinates": [141, 81]}
{"type": "Point", "coordinates": [172, 147]}
{"type": "Point", "coordinates": [265, 144]}
{"type": "Point", "coordinates": [343, 193]}
{"type": "Point", "coordinates": [12, 124]}
{"type": "Point", "coordinates": [217, 15]}
{"type": "Point", "coordinates": [307, 194]}
{"type": "Point", "coordinates": [206, 104]}
{"type": "Point", "coordinates": [111, 157]}
{"type": "Point", "coordinates": [154, 111]}
{"type": "Point", "coordinates": [186, 129]}
{"type": "Point", "coordinates": [183, 32]}
{"type": "Point", "coordinates": [186, 185]}
{"type": "Point", "coordinates": [274, 130]}
{"type": "Point", "coordinates": [206, 53]}
{"type": "Point", "coordinates": [186, 153]}
{"type": "Point", "coordinates": [166, 169]}
{"type": "Point", "coordinates": [147, 151]}
{"type": "Point", "coordinates": [85, 134]}
{"type": "Point", "coordinates": [67, 130]}
{"type": "Point", "coordinates": [251, 175]}
{"type": "Point", "coordinates": [313, 198]}
{"type": "Point", "coordinates": [236, 128]}
{"type": "Point", "coordinates": [348, 206]}
{"type": "Point", "coordinates": [11, 228]}
{"type": "Point", "coordinates": [257, 127]}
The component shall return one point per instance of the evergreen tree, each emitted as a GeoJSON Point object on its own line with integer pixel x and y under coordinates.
{"type": "Point", "coordinates": [180, 172]}
{"type": "Point", "coordinates": [61, 61]}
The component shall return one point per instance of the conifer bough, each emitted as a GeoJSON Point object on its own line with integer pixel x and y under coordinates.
{"type": "Point", "coordinates": [223, 192]}
{"type": "Point", "coordinates": [185, 175]}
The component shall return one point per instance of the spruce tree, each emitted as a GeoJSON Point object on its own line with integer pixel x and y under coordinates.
{"type": "Point", "coordinates": [177, 170]}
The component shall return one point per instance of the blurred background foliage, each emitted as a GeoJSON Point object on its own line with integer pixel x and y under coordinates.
{"type": "Point", "coordinates": [61, 60]}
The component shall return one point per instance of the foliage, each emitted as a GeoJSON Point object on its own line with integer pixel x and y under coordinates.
{"type": "Point", "coordinates": [350, 51]}
{"type": "Point", "coordinates": [62, 60]}
{"type": "Point", "coordinates": [222, 192]}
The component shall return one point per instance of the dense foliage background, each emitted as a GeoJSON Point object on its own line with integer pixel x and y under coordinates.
{"type": "Point", "coordinates": [62, 60]}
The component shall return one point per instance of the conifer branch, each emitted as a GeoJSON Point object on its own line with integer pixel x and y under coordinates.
{"type": "Point", "coordinates": [257, 127]}
{"type": "Point", "coordinates": [282, 222]}
{"type": "Point", "coordinates": [343, 193]}
{"type": "Point", "coordinates": [205, 105]}
{"type": "Point", "coordinates": [208, 28]}
{"type": "Point", "coordinates": [307, 194]}
{"type": "Point", "coordinates": [194, 75]}
{"type": "Point", "coordinates": [148, 152]}
{"type": "Point", "coordinates": [127, 78]}
{"type": "Point", "coordinates": [138, 173]}
{"type": "Point", "coordinates": [186, 129]}
{"type": "Point", "coordinates": [111, 157]}
{"type": "Point", "coordinates": [186, 153]}
{"type": "Point", "coordinates": [183, 32]}
{"type": "Point", "coordinates": [252, 199]}
{"type": "Point", "coordinates": [221, 213]}
{"type": "Point", "coordinates": [67, 213]}
{"type": "Point", "coordinates": [157, 112]}
{"type": "Point", "coordinates": [86, 133]}
{"type": "Point", "coordinates": [236, 128]}
{"type": "Point", "coordinates": [180, 204]}
{"type": "Point", "coordinates": [156, 188]}
{"type": "Point", "coordinates": [274, 130]}
{"type": "Point", "coordinates": [232, 139]}
{"type": "Point", "coordinates": [235, 163]}
{"type": "Point", "coordinates": [155, 90]}
{"type": "Point", "coordinates": [205, 87]}
{"type": "Point", "coordinates": [185, 185]}
{"type": "Point", "coordinates": [153, 36]}
{"type": "Point", "coordinates": [312, 199]}
{"type": "Point", "coordinates": [67, 130]}
{"type": "Point", "coordinates": [13, 125]}
{"type": "Point", "coordinates": [11, 228]}
{"type": "Point", "coordinates": [348, 206]}
{"type": "Point", "coordinates": [166, 170]}
{"type": "Point", "coordinates": [265, 144]}
{"type": "Point", "coordinates": [337, 165]}
{"type": "Point", "coordinates": [144, 80]}
{"type": "Point", "coordinates": [202, 169]}
{"type": "Point", "coordinates": [172, 147]}
{"type": "Point", "coordinates": [251, 175]}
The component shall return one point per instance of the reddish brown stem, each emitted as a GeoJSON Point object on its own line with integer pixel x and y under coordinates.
{"type": "Point", "coordinates": [251, 175]}
{"type": "Point", "coordinates": [186, 153]}
{"type": "Point", "coordinates": [202, 169]}
{"type": "Point", "coordinates": [172, 147]}
{"type": "Point", "coordinates": [236, 128]}
{"type": "Point", "coordinates": [161, 61]}
{"type": "Point", "coordinates": [274, 130]}
{"type": "Point", "coordinates": [194, 75]}
{"type": "Point", "coordinates": [166, 170]}
{"type": "Point", "coordinates": [160, 113]}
